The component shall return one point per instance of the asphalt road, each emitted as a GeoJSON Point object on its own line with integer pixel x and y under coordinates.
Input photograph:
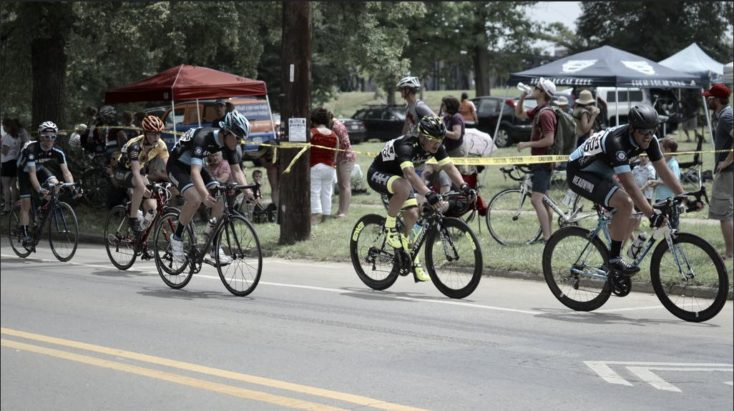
{"type": "Point", "coordinates": [84, 336]}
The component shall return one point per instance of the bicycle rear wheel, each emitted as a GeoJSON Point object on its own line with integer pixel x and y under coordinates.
{"type": "Point", "coordinates": [511, 218]}
{"type": "Point", "coordinates": [239, 241]}
{"type": "Point", "coordinates": [63, 232]}
{"type": "Point", "coordinates": [454, 258]}
{"type": "Point", "coordinates": [690, 280]}
{"type": "Point", "coordinates": [372, 258]}
{"type": "Point", "coordinates": [172, 272]}
{"type": "Point", "coordinates": [575, 269]}
{"type": "Point", "coordinates": [119, 238]}
{"type": "Point", "coordinates": [15, 233]}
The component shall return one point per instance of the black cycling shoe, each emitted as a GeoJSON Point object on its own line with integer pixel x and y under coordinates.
{"type": "Point", "coordinates": [622, 267]}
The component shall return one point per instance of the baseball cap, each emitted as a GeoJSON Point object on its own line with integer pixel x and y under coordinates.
{"type": "Point", "coordinates": [719, 90]}
{"type": "Point", "coordinates": [561, 101]}
{"type": "Point", "coordinates": [219, 102]}
{"type": "Point", "coordinates": [547, 86]}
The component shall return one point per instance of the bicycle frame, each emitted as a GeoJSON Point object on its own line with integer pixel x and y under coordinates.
{"type": "Point", "coordinates": [46, 210]}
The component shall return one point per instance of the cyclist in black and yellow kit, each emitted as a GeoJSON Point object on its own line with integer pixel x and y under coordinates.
{"type": "Point", "coordinates": [131, 167]}
{"type": "Point", "coordinates": [393, 173]}
{"type": "Point", "coordinates": [608, 153]}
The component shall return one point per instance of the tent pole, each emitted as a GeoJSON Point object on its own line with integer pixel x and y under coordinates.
{"type": "Point", "coordinates": [708, 121]}
{"type": "Point", "coordinates": [173, 112]}
{"type": "Point", "coordinates": [616, 99]}
{"type": "Point", "coordinates": [270, 113]}
{"type": "Point", "coordinates": [198, 116]}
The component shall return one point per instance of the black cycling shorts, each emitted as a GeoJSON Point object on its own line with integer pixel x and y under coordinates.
{"type": "Point", "coordinates": [180, 176]}
{"type": "Point", "coordinates": [25, 188]}
{"type": "Point", "coordinates": [594, 187]}
{"type": "Point", "coordinates": [381, 182]}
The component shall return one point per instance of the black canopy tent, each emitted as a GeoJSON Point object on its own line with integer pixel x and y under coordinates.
{"type": "Point", "coordinates": [607, 66]}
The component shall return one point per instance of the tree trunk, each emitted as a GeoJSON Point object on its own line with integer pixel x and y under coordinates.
{"type": "Point", "coordinates": [480, 56]}
{"type": "Point", "coordinates": [295, 204]}
{"type": "Point", "coordinates": [48, 67]}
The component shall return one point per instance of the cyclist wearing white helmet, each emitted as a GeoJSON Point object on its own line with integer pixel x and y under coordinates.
{"type": "Point", "coordinates": [32, 171]}
{"type": "Point", "coordinates": [416, 109]}
{"type": "Point", "coordinates": [186, 171]}
{"type": "Point", "coordinates": [132, 163]}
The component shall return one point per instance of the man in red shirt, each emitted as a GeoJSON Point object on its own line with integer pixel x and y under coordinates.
{"type": "Point", "coordinates": [541, 137]}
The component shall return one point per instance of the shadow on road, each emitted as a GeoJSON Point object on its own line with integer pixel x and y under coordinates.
{"type": "Point", "coordinates": [373, 295]}
{"type": "Point", "coordinates": [189, 295]}
{"type": "Point", "coordinates": [560, 314]}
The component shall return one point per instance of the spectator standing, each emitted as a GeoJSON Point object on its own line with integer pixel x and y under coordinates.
{"type": "Point", "coordinates": [345, 159]}
{"type": "Point", "coordinates": [541, 137]}
{"type": "Point", "coordinates": [453, 142]}
{"type": "Point", "coordinates": [128, 125]}
{"type": "Point", "coordinates": [468, 110]}
{"type": "Point", "coordinates": [722, 193]}
{"type": "Point", "coordinates": [644, 174]}
{"type": "Point", "coordinates": [11, 145]}
{"type": "Point", "coordinates": [669, 147]}
{"type": "Point", "coordinates": [585, 112]}
{"type": "Point", "coordinates": [562, 103]}
{"type": "Point", "coordinates": [416, 109]}
{"type": "Point", "coordinates": [690, 107]}
{"type": "Point", "coordinates": [323, 164]}
{"type": "Point", "coordinates": [219, 169]}
{"type": "Point", "coordinates": [221, 108]}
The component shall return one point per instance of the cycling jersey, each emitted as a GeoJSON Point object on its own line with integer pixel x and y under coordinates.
{"type": "Point", "coordinates": [406, 151]}
{"type": "Point", "coordinates": [609, 151]}
{"type": "Point", "coordinates": [33, 157]}
{"type": "Point", "coordinates": [197, 143]}
{"type": "Point", "coordinates": [136, 150]}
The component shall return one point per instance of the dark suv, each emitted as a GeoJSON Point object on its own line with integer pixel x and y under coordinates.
{"type": "Point", "coordinates": [512, 129]}
{"type": "Point", "coordinates": [384, 122]}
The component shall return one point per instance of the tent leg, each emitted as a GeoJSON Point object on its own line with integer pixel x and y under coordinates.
{"type": "Point", "coordinates": [708, 121]}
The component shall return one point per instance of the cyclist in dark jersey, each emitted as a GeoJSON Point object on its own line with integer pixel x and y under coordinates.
{"type": "Point", "coordinates": [32, 171]}
{"type": "Point", "coordinates": [607, 153]}
{"type": "Point", "coordinates": [393, 173]}
{"type": "Point", "coordinates": [186, 171]}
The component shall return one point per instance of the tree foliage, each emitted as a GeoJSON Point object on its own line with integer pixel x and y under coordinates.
{"type": "Point", "coordinates": [658, 29]}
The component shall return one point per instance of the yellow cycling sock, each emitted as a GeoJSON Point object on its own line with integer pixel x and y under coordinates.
{"type": "Point", "coordinates": [390, 222]}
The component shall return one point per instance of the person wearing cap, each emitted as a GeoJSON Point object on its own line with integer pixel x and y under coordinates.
{"type": "Point", "coordinates": [722, 196]}
{"type": "Point", "coordinates": [541, 137]}
{"type": "Point", "coordinates": [562, 103]}
{"type": "Point", "coordinates": [221, 107]}
{"type": "Point", "coordinates": [585, 112]}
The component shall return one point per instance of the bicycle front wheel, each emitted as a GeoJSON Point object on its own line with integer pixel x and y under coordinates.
{"type": "Point", "coordinates": [372, 258]}
{"type": "Point", "coordinates": [15, 234]}
{"type": "Point", "coordinates": [119, 238]}
{"type": "Point", "coordinates": [173, 272]}
{"type": "Point", "coordinates": [63, 232]}
{"type": "Point", "coordinates": [575, 269]}
{"type": "Point", "coordinates": [511, 218]}
{"type": "Point", "coordinates": [454, 258]}
{"type": "Point", "coordinates": [238, 240]}
{"type": "Point", "coordinates": [690, 279]}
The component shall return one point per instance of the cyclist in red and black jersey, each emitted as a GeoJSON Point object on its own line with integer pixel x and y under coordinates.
{"type": "Point", "coordinates": [393, 173]}
{"type": "Point", "coordinates": [607, 153]}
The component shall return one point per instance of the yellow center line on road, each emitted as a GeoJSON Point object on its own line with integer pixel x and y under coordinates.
{"type": "Point", "coordinates": [252, 379]}
{"type": "Point", "coordinates": [171, 377]}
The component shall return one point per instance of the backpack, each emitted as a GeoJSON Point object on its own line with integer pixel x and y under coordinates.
{"type": "Point", "coordinates": [564, 141]}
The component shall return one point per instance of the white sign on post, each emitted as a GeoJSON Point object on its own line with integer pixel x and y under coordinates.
{"type": "Point", "coordinates": [297, 129]}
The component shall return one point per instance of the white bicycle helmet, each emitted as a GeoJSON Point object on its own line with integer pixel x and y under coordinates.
{"type": "Point", "coordinates": [409, 82]}
{"type": "Point", "coordinates": [48, 126]}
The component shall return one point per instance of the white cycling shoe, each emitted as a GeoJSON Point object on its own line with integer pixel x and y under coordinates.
{"type": "Point", "coordinates": [224, 259]}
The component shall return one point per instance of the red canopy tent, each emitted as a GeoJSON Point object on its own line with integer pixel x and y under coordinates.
{"type": "Point", "coordinates": [186, 82]}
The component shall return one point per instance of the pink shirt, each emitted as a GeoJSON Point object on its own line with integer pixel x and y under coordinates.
{"type": "Point", "coordinates": [341, 131]}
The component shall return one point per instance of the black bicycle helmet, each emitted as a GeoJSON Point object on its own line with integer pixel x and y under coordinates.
{"type": "Point", "coordinates": [642, 117]}
{"type": "Point", "coordinates": [432, 127]}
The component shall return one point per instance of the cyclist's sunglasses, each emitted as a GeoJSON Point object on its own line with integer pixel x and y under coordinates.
{"type": "Point", "coordinates": [432, 138]}
{"type": "Point", "coordinates": [51, 137]}
{"type": "Point", "coordinates": [647, 132]}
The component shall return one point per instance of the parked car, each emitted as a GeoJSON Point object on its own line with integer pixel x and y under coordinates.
{"type": "Point", "coordinates": [384, 122]}
{"type": "Point", "coordinates": [628, 97]}
{"type": "Point", "coordinates": [256, 110]}
{"type": "Point", "coordinates": [512, 129]}
{"type": "Point", "coordinates": [356, 128]}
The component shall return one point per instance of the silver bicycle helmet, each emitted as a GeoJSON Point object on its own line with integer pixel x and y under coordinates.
{"type": "Point", "coordinates": [409, 82]}
{"type": "Point", "coordinates": [236, 123]}
{"type": "Point", "coordinates": [47, 126]}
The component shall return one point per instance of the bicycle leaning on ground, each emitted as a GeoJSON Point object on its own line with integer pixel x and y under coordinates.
{"type": "Point", "coordinates": [233, 235]}
{"type": "Point", "coordinates": [453, 256]}
{"type": "Point", "coordinates": [121, 243]}
{"type": "Point", "coordinates": [511, 217]}
{"type": "Point", "coordinates": [686, 272]}
{"type": "Point", "coordinates": [63, 229]}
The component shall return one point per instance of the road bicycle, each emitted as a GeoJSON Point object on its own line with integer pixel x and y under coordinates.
{"type": "Point", "coordinates": [232, 235]}
{"type": "Point", "coordinates": [512, 220]}
{"type": "Point", "coordinates": [122, 245]}
{"type": "Point", "coordinates": [63, 229]}
{"type": "Point", "coordinates": [453, 256]}
{"type": "Point", "coordinates": [687, 274]}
